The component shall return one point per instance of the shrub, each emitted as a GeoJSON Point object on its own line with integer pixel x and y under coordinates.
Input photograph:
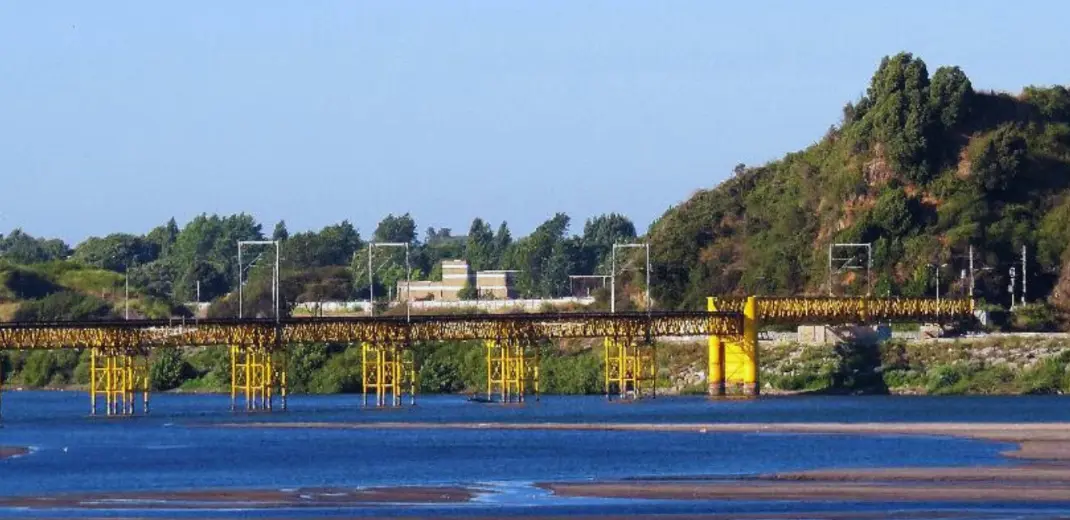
{"type": "Point", "coordinates": [1036, 317]}
{"type": "Point", "coordinates": [168, 370]}
{"type": "Point", "coordinates": [64, 306]}
{"type": "Point", "coordinates": [38, 370]}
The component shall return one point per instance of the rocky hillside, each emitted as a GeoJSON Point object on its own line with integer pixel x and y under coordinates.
{"type": "Point", "coordinates": [923, 166]}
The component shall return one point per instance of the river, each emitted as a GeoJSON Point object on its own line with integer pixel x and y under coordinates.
{"type": "Point", "coordinates": [192, 442]}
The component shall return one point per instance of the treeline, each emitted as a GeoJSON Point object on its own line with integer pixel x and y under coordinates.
{"type": "Point", "coordinates": [199, 260]}
{"type": "Point", "coordinates": [317, 368]}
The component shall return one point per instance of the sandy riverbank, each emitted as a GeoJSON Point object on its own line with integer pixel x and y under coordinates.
{"type": "Point", "coordinates": [6, 452]}
{"type": "Point", "coordinates": [226, 499]}
{"type": "Point", "coordinates": [1043, 474]}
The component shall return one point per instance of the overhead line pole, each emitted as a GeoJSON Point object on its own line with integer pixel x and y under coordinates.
{"type": "Point", "coordinates": [613, 274]}
{"type": "Point", "coordinates": [275, 293]}
{"type": "Point", "coordinates": [408, 276]}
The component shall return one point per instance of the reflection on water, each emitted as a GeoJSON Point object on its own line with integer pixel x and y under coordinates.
{"type": "Point", "coordinates": [181, 447]}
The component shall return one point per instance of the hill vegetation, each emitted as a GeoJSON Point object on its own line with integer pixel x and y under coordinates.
{"type": "Point", "coordinates": [923, 166]}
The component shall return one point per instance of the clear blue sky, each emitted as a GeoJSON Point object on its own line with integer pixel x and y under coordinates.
{"type": "Point", "coordinates": [115, 116]}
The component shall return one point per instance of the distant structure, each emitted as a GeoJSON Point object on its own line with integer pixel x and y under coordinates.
{"type": "Point", "coordinates": [491, 285]}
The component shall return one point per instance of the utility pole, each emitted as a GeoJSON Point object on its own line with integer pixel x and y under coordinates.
{"type": "Point", "coordinates": [275, 292]}
{"type": "Point", "coordinates": [971, 272]}
{"type": "Point", "coordinates": [613, 275]}
{"type": "Point", "coordinates": [937, 268]}
{"type": "Point", "coordinates": [1012, 286]}
{"type": "Point", "coordinates": [1023, 273]}
{"type": "Point", "coordinates": [126, 299]}
{"type": "Point", "coordinates": [848, 262]}
{"type": "Point", "coordinates": [408, 277]}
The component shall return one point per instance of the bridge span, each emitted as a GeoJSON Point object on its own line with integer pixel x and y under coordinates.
{"type": "Point", "coordinates": [258, 348]}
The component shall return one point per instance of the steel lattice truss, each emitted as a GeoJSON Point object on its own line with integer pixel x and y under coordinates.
{"type": "Point", "coordinates": [841, 311]}
{"type": "Point", "coordinates": [139, 335]}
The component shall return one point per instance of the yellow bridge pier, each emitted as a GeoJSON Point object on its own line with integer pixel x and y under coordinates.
{"type": "Point", "coordinates": [629, 368]}
{"type": "Point", "coordinates": [510, 368]}
{"type": "Point", "coordinates": [115, 376]}
{"type": "Point", "coordinates": [257, 375]}
{"type": "Point", "coordinates": [734, 358]}
{"type": "Point", "coordinates": [387, 370]}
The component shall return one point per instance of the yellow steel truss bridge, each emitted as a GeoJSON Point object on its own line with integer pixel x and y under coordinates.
{"type": "Point", "coordinates": [258, 347]}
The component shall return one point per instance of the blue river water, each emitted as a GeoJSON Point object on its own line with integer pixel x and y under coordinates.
{"type": "Point", "coordinates": [184, 445]}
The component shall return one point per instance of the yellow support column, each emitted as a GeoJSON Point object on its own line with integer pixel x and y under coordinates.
{"type": "Point", "coordinates": [509, 367]}
{"type": "Point", "coordinates": [715, 357]}
{"type": "Point", "coordinates": [387, 370]}
{"type": "Point", "coordinates": [751, 385]}
{"type": "Point", "coordinates": [256, 374]}
{"type": "Point", "coordinates": [116, 375]}
{"type": "Point", "coordinates": [627, 367]}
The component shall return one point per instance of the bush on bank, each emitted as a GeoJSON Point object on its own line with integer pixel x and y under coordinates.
{"type": "Point", "coordinates": [1007, 366]}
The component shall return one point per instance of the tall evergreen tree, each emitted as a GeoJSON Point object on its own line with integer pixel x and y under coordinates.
{"type": "Point", "coordinates": [479, 247]}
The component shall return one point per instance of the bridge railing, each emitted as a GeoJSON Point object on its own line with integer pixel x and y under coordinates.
{"type": "Point", "coordinates": [840, 311]}
{"type": "Point", "coordinates": [146, 334]}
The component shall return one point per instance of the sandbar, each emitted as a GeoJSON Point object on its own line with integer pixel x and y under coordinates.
{"type": "Point", "coordinates": [1042, 473]}
{"type": "Point", "coordinates": [7, 452]}
{"type": "Point", "coordinates": [230, 498]}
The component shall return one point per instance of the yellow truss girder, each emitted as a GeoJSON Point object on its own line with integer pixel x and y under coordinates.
{"type": "Point", "coordinates": [145, 334]}
{"type": "Point", "coordinates": [841, 311]}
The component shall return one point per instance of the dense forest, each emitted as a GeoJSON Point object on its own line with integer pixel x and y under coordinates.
{"type": "Point", "coordinates": [922, 167]}
{"type": "Point", "coordinates": [44, 279]}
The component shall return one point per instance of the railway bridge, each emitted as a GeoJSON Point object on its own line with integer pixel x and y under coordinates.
{"type": "Point", "coordinates": [258, 348]}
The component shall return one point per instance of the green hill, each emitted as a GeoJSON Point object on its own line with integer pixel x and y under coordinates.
{"type": "Point", "coordinates": [922, 167]}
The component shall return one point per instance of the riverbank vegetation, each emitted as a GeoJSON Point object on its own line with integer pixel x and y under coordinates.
{"type": "Point", "coordinates": [996, 366]}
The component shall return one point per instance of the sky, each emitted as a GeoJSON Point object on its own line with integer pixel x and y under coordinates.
{"type": "Point", "coordinates": [115, 116]}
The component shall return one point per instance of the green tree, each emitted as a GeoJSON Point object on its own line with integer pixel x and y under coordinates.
{"type": "Point", "coordinates": [38, 369]}
{"type": "Point", "coordinates": [893, 213]}
{"type": "Point", "coordinates": [950, 95]}
{"type": "Point", "coordinates": [168, 369]}
{"type": "Point", "coordinates": [331, 246]}
{"type": "Point", "coordinates": [599, 235]}
{"type": "Point", "coordinates": [164, 237]}
{"type": "Point", "coordinates": [503, 239]}
{"type": "Point", "coordinates": [21, 248]}
{"type": "Point", "coordinates": [897, 111]}
{"type": "Point", "coordinates": [280, 233]}
{"type": "Point", "coordinates": [117, 252]}
{"type": "Point", "coordinates": [479, 246]}
{"type": "Point", "coordinates": [998, 159]}
{"type": "Point", "coordinates": [396, 229]}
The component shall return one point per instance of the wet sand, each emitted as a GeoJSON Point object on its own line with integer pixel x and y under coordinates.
{"type": "Point", "coordinates": [1043, 474]}
{"type": "Point", "coordinates": [6, 452]}
{"type": "Point", "coordinates": [222, 499]}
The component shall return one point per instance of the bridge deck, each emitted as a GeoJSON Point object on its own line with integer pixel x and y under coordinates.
{"type": "Point", "coordinates": [140, 334]}
{"type": "Point", "coordinates": [728, 321]}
